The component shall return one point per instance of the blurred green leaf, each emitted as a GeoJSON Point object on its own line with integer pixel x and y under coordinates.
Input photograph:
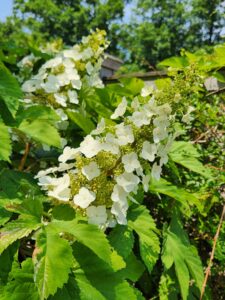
{"type": "Point", "coordinates": [22, 284]}
{"type": "Point", "coordinates": [185, 154]}
{"type": "Point", "coordinates": [5, 142]}
{"type": "Point", "coordinates": [10, 91]}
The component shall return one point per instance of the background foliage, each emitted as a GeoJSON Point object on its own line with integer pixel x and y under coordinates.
{"type": "Point", "coordinates": [48, 250]}
{"type": "Point", "coordinates": [142, 32]}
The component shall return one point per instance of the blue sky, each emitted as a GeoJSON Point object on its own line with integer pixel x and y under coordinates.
{"type": "Point", "coordinates": [5, 9]}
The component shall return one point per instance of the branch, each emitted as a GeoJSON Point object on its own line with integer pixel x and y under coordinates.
{"type": "Point", "coordinates": [213, 250]}
{"type": "Point", "coordinates": [216, 92]}
{"type": "Point", "coordinates": [24, 158]}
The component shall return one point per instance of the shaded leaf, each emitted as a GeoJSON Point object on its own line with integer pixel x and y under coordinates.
{"type": "Point", "coordinates": [22, 284]}
{"type": "Point", "coordinates": [122, 240]}
{"type": "Point", "coordinates": [96, 280]}
{"type": "Point", "coordinates": [165, 187]}
{"type": "Point", "coordinates": [10, 91]}
{"type": "Point", "coordinates": [143, 224]}
{"type": "Point", "coordinates": [178, 251]}
{"type": "Point", "coordinates": [5, 142]}
{"type": "Point", "coordinates": [185, 154]}
{"type": "Point", "coordinates": [84, 122]}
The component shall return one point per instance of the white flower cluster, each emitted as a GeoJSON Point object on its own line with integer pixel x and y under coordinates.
{"type": "Point", "coordinates": [60, 79]}
{"type": "Point", "coordinates": [114, 159]}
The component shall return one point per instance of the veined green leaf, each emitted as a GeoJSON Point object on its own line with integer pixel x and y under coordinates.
{"type": "Point", "coordinates": [83, 122]}
{"type": "Point", "coordinates": [4, 215]}
{"type": "Point", "coordinates": [185, 154]}
{"type": "Point", "coordinates": [96, 280]}
{"type": "Point", "coordinates": [168, 286]}
{"type": "Point", "coordinates": [122, 240]}
{"type": "Point", "coordinates": [17, 184]}
{"type": "Point", "coordinates": [5, 142]}
{"type": "Point", "coordinates": [124, 290]}
{"type": "Point", "coordinates": [164, 187]}
{"type": "Point", "coordinates": [6, 260]}
{"type": "Point", "coordinates": [10, 91]}
{"type": "Point", "coordinates": [41, 131]}
{"type": "Point", "coordinates": [134, 268]}
{"type": "Point", "coordinates": [22, 284]}
{"type": "Point", "coordinates": [39, 112]}
{"type": "Point", "coordinates": [178, 251]}
{"type": "Point", "coordinates": [17, 229]}
{"type": "Point", "coordinates": [175, 62]}
{"type": "Point", "coordinates": [134, 85]}
{"type": "Point", "coordinates": [70, 291]}
{"type": "Point", "coordinates": [87, 234]}
{"type": "Point", "coordinates": [53, 262]}
{"type": "Point", "coordinates": [143, 224]}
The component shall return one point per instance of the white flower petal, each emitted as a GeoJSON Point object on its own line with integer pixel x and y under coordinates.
{"type": "Point", "coordinates": [156, 171]}
{"type": "Point", "coordinates": [140, 118]}
{"type": "Point", "coordinates": [119, 194]}
{"type": "Point", "coordinates": [73, 98]}
{"type": "Point", "coordinates": [128, 181]}
{"type": "Point", "coordinates": [60, 99]}
{"type": "Point", "coordinates": [130, 162]}
{"type": "Point", "coordinates": [111, 144]}
{"type": "Point", "coordinates": [97, 215]}
{"type": "Point", "coordinates": [148, 151]}
{"type": "Point", "coordinates": [100, 127]}
{"type": "Point", "coordinates": [68, 153]}
{"type": "Point", "coordinates": [120, 213]}
{"type": "Point", "coordinates": [120, 110]}
{"type": "Point", "coordinates": [124, 134]}
{"type": "Point", "coordinates": [91, 171]}
{"type": "Point", "coordinates": [84, 198]}
{"type": "Point", "coordinates": [90, 147]}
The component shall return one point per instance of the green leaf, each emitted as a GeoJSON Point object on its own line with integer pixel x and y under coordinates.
{"type": "Point", "coordinates": [84, 122]}
{"type": "Point", "coordinates": [185, 198]}
{"type": "Point", "coordinates": [39, 122]}
{"type": "Point", "coordinates": [96, 280]}
{"type": "Point", "coordinates": [22, 284]}
{"type": "Point", "coordinates": [175, 62]}
{"type": "Point", "coordinates": [17, 229]}
{"type": "Point", "coordinates": [70, 291]}
{"type": "Point", "coordinates": [168, 288]}
{"type": "Point", "coordinates": [31, 206]}
{"type": "Point", "coordinates": [87, 234]}
{"type": "Point", "coordinates": [5, 142]}
{"type": "Point", "coordinates": [63, 212]}
{"type": "Point", "coordinates": [143, 224]}
{"type": "Point", "coordinates": [4, 215]}
{"type": "Point", "coordinates": [134, 268]}
{"type": "Point", "coordinates": [17, 184]}
{"type": "Point", "coordinates": [41, 131]}
{"type": "Point", "coordinates": [6, 260]}
{"type": "Point", "coordinates": [134, 85]}
{"type": "Point", "coordinates": [39, 112]}
{"type": "Point", "coordinates": [122, 240]}
{"type": "Point", "coordinates": [178, 251]}
{"type": "Point", "coordinates": [54, 260]}
{"type": "Point", "coordinates": [10, 91]}
{"type": "Point", "coordinates": [185, 154]}
{"type": "Point", "coordinates": [124, 290]}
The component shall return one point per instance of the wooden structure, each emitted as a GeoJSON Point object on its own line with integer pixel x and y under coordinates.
{"type": "Point", "coordinates": [111, 64]}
